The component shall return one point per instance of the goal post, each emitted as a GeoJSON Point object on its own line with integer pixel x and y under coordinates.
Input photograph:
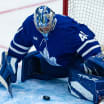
{"type": "Point", "coordinates": [65, 7]}
{"type": "Point", "coordinates": [89, 12]}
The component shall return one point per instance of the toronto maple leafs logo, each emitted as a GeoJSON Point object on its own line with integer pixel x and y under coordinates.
{"type": "Point", "coordinates": [50, 60]}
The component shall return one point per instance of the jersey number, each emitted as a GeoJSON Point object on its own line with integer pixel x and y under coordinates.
{"type": "Point", "coordinates": [82, 36]}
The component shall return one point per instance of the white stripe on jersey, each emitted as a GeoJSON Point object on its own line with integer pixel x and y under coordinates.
{"type": "Point", "coordinates": [21, 28]}
{"type": "Point", "coordinates": [89, 50]}
{"type": "Point", "coordinates": [20, 46]}
{"type": "Point", "coordinates": [83, 45]}
{"type": "Point", "coordinates": [16, 51]}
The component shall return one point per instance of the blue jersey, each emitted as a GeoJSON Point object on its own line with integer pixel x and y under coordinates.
{"type": "Point", "coordinates": [68, 40]}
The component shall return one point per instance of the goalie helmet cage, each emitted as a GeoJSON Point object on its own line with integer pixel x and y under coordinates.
{"type": "Point", "coordinates": [89, 12]}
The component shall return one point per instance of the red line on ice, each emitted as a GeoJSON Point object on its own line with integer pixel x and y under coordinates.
{"type": "Point", "coordinates": [25, 7]}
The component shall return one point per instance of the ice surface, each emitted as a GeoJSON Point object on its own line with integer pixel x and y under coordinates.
{"type": "Point", "coordinates": [32, 91]}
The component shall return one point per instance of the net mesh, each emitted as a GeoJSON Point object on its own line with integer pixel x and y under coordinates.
{"type": "Point", "coordinates": [89, 12]}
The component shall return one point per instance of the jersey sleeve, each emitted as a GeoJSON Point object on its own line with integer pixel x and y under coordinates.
{"type": "Point", "coordinates": [21, 43]}
{"type": "Point", "coordinates": [87, 45]}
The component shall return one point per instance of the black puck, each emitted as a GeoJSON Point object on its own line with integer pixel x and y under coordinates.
{"type": "Point", "coordinates": [46, 97]}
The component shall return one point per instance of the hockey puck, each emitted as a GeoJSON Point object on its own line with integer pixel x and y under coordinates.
{"type": "Point", "coordinates": [46, 97]}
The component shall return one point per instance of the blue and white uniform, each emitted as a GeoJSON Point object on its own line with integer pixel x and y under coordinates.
{"type": "Point", "coordinates": [66, 40]}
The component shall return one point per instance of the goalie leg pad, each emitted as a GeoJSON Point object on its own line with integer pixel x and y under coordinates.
{"type": "Point", "coordinates": [96, 64]}
{"type": "Point", "coordinates": [84, 86]}
{"type": "Point", "coordinates": [34, 66]}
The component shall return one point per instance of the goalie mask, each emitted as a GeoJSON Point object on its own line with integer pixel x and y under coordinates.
{"type": "Point", "coordinates": [44, 19]}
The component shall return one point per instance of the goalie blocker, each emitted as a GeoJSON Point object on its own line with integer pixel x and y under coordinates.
{"type": "Point", "coordinates": [85, 80]}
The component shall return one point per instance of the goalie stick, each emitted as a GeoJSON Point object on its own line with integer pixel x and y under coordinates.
{"type": "Point", "coordinates": [4, 83]}
{"type": "Point", "coordinates": [10, 90]}
{"type": "Point", "coordinates": [7, 86]}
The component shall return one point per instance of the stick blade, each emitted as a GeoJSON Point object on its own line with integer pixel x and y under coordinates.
{"type": "Point", "coordinates": [10, 90]}
{"type": "Point", "coordinates": [7, 86]}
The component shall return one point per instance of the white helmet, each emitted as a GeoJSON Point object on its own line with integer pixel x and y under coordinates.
{"type": "Point", "coordinates": [44, 17]}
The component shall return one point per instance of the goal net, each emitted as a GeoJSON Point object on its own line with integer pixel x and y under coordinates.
{"type": "Point", "coordinates": [89, 12]}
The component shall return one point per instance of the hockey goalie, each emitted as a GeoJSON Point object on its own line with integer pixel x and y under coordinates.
{"type": "Point", "coordinates": [64, 48]}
